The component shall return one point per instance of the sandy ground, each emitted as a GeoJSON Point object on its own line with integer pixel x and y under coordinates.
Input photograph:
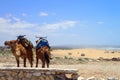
{"type": "Point", "coordinates": [99, 69]}
{"type": "Point", "coordinates": [89, 53]}
{"type": "Point", "coordinates": [70, 59]}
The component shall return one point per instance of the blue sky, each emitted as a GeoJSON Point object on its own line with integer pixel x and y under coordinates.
{"type": "Point", "coordinates": [64, 22]}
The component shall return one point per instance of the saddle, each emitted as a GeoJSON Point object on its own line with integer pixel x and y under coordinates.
{"type": "Point", "coordinates": [41, 43]}
{"type": "Point", "coordinates": [25, 42]}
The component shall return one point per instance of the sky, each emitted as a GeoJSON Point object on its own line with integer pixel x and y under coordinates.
{"type": "Point", "coordinates": [64, 22]}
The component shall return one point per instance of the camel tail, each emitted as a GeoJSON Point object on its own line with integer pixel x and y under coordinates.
{"type": "Point", "coordinates": [46, 57]}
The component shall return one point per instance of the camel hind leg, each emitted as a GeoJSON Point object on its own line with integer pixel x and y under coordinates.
{"type": "Point", "coordinates": [43, 63]}
{"type": "Point", "coordinates": [47, 58]}
{"type": "Point", "coordinates": [30, 57]}
{"type": "Point", "coordinates": [30, 61]}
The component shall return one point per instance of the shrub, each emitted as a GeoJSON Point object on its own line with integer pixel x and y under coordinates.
{"type": "Point", "coordinates": [82, 54]}
{"type": "Point", "coordinates": [69, 53]}
{"type": "Point", "coordinates": [65, 57]}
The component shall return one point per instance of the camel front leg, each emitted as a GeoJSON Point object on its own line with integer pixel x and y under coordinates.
{"type": "Point", "coordinates": [24, 61]}
{"type": "Point", "coordinates": [36, 61]}
{"type": "Point", "coordinates": [17, 60]}
{"type": "Point", "coordinates": [31, 62]}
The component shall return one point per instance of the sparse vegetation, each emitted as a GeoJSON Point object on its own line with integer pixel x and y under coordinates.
{"type": "Point", "coordinates": [69, 53]}
{"type": "Point", "coordinates": [82, 54]}
{"type": "Point", "coordinates": [65, 57]}
{"type": "Point", "coordinates": [5, 51]}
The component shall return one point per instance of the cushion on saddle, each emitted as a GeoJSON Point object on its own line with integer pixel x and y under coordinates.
{"type": "Point", "coordinates": [43, 42]}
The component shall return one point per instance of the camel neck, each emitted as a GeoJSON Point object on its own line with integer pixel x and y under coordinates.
{"type": "Point", "coordinates": [13, 49]}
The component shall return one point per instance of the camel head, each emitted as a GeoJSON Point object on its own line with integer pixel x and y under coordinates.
{"type": "Point", "coordinates": [10, 43]}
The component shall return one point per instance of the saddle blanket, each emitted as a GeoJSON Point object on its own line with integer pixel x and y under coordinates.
{"type": "Point", "coordinates": [43, 42]}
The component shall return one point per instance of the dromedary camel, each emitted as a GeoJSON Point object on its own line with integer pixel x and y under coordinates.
{"type": "Point", "coordinates": [43, 53]}
{"type": "Point", "coordinates": [19, 51]}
